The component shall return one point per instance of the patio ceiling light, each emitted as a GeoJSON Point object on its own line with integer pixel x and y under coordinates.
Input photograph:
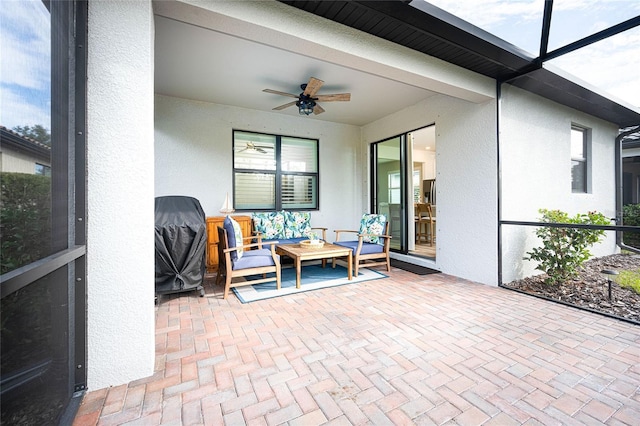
{"type": "Point", "coordinates": [305, 106]}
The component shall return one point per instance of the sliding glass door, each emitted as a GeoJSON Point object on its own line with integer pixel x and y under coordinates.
{"type": "Point", "coordinates": [389, 187]}
{"type": "Point", "coordinates": [403, 171]}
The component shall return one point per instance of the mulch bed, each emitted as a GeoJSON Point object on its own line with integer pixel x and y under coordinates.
{"type": "Point", "coordinates": [590, 289]}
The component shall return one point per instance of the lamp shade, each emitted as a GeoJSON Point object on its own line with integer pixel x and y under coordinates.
{"type": "Point", "coordinates": [305, 107]}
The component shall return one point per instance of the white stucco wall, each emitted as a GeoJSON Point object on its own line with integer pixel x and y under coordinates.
{"type": "Point", "coordinates": [120, 246]}
{"type": "Point", "coordinates": [466, 157]}
{"type": "Point", "coordinates": [17, 162]}
{"type": "Point", "coordinates": [193, 156]}
{"type": "Point", "coordinates": [536, 172]}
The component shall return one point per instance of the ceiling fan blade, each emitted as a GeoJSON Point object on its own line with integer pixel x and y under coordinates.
{"type": "Point", "coordinates": [277, 92]}
{"type": "Point", "coordinates": [334, 97]}
{"type": "Point", "coordinates": [312, 86]}
{"type": "Point", "coordinates": [261, 151]}
{"type": "Point", "coordinates": [244, 149]}
{"type": "Point", "coordinates": [317, 109]}
{"type": "Point", "coordinates": [278, 108]}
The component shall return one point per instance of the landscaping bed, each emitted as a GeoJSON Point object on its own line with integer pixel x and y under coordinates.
{"type": "Point", "coordinates": [590, 289]}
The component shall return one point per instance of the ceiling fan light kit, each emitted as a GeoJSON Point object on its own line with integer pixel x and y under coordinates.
{"type": "Point", "coordinates": [306, 102]}
{"type": "Point", "coordinates": [305, 107]}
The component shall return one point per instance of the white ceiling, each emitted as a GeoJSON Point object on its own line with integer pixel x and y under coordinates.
{"type": "Point", "coordinates": [201, 64]}
{"type": "Point", "coordinates": [198, 63]}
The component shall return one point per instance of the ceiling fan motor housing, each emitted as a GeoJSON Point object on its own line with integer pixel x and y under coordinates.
{"type": "Point", "coordinates": [306, 101]}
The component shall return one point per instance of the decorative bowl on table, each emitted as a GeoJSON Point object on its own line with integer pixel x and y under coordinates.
{"type": "Point", "coordinates": [312, 244]}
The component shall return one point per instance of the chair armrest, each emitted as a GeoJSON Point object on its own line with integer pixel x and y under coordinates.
{"type": "Point", "coordinates": [375, 235]}
{"type": "Point", "coordinates": [250, 246]}
{"type": "Point", "coordinates": [324, 233]}
{"type": "Point", "coordinates": [338, 231]}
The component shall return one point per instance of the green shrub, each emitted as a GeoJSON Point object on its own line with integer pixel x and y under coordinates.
{"type": "Point", "coordinates": [565, 249]}
{"type": "Point", "coordinates": [631, 217]}
{"type": "Point", "coordinates": [25, 219]}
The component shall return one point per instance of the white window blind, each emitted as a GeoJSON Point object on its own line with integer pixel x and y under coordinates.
{"type": "Point", "coordinates": [255, 191]}
{"type": "Point", "coordinates": [578, 159]}
{"type": "Point", "coordinates": [299, 155]}
{"type": "Point", "coordinates": [299, 192]}
{"type": "Point", "coordinates": [274, 172]}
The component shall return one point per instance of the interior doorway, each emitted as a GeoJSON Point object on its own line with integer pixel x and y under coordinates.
{"type": "Point", "coordinates": [422, 144]}
{"type": "Point", "coordinates": [403, 179]}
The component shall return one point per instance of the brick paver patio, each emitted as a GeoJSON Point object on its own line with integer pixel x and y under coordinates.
{"type": "Point", "coordinates": [408, 349]}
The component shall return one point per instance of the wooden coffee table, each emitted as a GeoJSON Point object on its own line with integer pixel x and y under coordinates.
{"type": "Point", "coordinates": [328, 251]}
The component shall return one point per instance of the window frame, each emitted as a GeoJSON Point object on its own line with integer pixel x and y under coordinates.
{"type": "Point", "coordinates": [394, 191]}
{"type": "Point", "coordinates": [584, 160]}
{"type": "Point", "coordinates": [66, 266]}
{"type": "Point", "coordinates": [42, 169]}
{"type": "Point", "coordinates": [278, 173]}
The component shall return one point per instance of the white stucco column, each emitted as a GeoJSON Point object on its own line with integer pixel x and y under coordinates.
{"type": "Point", "coordinates": [120, 151]}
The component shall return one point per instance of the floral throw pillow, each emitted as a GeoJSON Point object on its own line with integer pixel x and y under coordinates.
{"type": "Point", "coordinates": [234, 236]}
{"type": "Point", "coordinates": [372, 224]}
{"type": "Point", "coordinates": [297, 224]}
{"type": "Point", "coordinates": [269, 224]}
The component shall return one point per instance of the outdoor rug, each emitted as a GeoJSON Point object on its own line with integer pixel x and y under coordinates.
{"type": "Point", "coordinates": [313, 277]}
{"type": "Point", "coordinates": [416, 269]}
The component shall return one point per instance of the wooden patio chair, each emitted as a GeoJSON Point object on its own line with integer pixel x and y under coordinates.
{"type": "Point", "coordinates": [255, 260]}
{"type": "Point", "coordinates": [372, 246]}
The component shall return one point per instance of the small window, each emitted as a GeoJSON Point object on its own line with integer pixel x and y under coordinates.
{"type": "Point", "coordinates": [394, 187]}
{"type": "Point", "coordinates": [579, 159]}
{"type": "Point", "coordinates": [43, 170]}
{"type": "Point", "coordinates": [273, 172]}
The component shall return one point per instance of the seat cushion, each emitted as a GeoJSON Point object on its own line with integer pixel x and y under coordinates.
{"type": "Point", "coordinates": [234, 236]}
{"type": "Point", "coordinates": [269, 224]}
{"type": "Point", "coordinates": [367, 248]}
{"type": "Point", "coordinates": [373, 224]}
{"type": "Point", "coordinates": [254, 259]}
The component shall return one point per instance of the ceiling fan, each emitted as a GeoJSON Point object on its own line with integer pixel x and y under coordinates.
{"type": "Point", "coordinates": [307, 100]}
{"type": "Point", "coordinates": [253, 147]}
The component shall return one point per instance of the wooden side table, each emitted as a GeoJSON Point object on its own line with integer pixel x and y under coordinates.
{"type": "Point", "coordinates": [212, 237]}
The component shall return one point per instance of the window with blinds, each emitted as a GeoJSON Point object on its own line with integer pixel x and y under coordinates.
{"type": "Point", "coordinates": [273, 172]}
{"type": "Point", "coordinates": [579, 159]}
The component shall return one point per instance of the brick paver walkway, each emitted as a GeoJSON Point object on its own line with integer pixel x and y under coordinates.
{"type": "Point", "coordinates": [404, 350]}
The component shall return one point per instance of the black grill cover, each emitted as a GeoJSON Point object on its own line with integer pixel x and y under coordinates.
{"type": "Point", "coordinates": [180, 240]}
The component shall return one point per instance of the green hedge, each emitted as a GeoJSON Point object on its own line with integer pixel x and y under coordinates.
{"type": "Point", "coordinates": [631, 217]}
{"type": "Point", "coordinates": [25, 219]}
